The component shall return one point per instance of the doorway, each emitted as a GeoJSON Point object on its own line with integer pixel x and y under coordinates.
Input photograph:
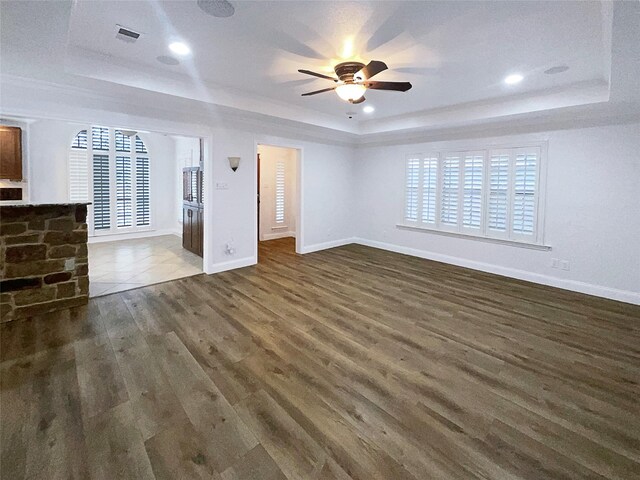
{"type": "Point", "coordinates": [278, 200]}
{"type": "Point", "coordinates": [170, 243]}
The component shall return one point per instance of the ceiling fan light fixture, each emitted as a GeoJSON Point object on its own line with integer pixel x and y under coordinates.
{"type": "Point", "coordinates": [350, 92]}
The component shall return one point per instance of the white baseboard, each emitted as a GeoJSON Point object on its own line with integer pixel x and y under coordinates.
{"type": "Point", "coordinates": [323, 246]}
{"type": "Point", "coordinates": [573, 285]}
{"type": "Point", "coordinates": [133, 235]}
{"type": "Point", "coordinates": [273, 236]}
{"type": "Point", "coordinates": [224, 266]}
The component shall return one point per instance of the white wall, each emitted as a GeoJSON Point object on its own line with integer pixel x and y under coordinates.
{"type": "Point", "coordinates": [325, 182]}
{"type": "Point", "coordinates": [269, 157]}
{"type": "Point", "coordinates": [592, 212]}
{"type": "Point", "coordinates": [49, 142]}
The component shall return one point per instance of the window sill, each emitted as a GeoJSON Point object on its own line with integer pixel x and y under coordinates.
{"type": "Point", "coordinates": [500, 241]}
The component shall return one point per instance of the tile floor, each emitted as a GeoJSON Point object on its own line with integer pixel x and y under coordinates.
{"type": "Point", "coordinates": [126, 264]}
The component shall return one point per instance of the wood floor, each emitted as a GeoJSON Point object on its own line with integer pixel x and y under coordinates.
{"type": "Point", "coordinates": [347, 363]}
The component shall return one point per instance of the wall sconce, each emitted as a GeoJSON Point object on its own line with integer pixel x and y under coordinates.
{"type": "Point", "coordinates": [234, 162]}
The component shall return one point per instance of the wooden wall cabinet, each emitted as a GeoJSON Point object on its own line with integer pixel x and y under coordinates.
{"type": "Point", "coordinates": [10, 153]}
{"type": "Point", "coordinates": [192, 229]}
{"type": "Point", "coordinates": [192, 210]}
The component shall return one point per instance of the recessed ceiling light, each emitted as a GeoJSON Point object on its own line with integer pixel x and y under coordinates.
{"type": "Point", "coordinates": [167, 60]}
{"type": "Point", "coordinates": [513, 79]}
{"type": "Point", "coordinates": [179, 48]}
{"type": "Point", "coordinates": [217, 8]}
{"type": "Point", "coordinates": [556, 70]}
{"type": "Point", "coordinates": [368, 109]}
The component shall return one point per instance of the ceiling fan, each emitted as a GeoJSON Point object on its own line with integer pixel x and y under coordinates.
{"type": "Point", "coordinates": [353, 80]}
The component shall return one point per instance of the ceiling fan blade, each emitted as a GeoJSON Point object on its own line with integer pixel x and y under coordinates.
{"type": "Point", "coordinates": [319, 75]}
{"type": "Point", "coordinates": [318, 91]}
{"type": "Point", "coordinates": [396, 86]}
{"type": "Point", "coordinates": [373, 68]}
{"type": "Point", "coordinates": [360, 100]}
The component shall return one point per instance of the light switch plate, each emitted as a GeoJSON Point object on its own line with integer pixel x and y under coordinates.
{"type": "Point", "coordinates": [222, 186]}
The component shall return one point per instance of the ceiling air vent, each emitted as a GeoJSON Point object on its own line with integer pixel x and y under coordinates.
{"type": "Point", "coordinates": [126, 34]}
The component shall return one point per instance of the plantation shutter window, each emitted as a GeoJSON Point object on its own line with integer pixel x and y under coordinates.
{"type": "Point", "coordinates": [111, 169]}
{"type": "Point", "coordinates": [101, 196]}
{"type": "Point", "coordinates": [524, 193]}
{"type": "Point", "coordinates": [412, 185]}
{"type": "Point", "coordinates": [472, 192]}
{"type": "Point", "coordinates": [100, 138]}
{"type": "Point", "coordinates": [450, 191]}
{"type": "Point", "coordinates": [124, 204]}
{"type": "Point", "coordinates": [280, 184]}
{"type": "Point", "coordinates": [429, 189]}
{"type": "Point", "coordinates": [143, 206]}
{"type": "Point", "coordinates": [481, 193]}
{"type": "Point", "coordinates": [498, 192]}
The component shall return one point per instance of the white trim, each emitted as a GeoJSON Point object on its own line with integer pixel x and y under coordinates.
{"type": "Point", "coordinates": [573, 285]}
{"type": "Point", "coordinates": [273, 236]}
{"type": "Point", "coordinates": [299, 194]}
{"type": "Point", "coordinates": [114, 237]}
{"type": "Point", "coordinates": [323, 246]}
{"type": "Point", "coordinates": [231, 265]}
{"type": "Point", "coordinates": [471, 236]}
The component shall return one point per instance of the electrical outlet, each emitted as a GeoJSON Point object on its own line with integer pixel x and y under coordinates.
{"type": "Point", "coordinates": [555, 263]}
{"type": "Point", "coordinates": [564, 265]}
{"type": "Point", "coordinates": [222, 186]}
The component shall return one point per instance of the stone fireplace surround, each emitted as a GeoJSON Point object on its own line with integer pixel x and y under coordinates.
{"type": "Point", "coordinates": [43, 258]}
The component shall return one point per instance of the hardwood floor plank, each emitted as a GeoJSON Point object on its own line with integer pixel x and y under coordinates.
{"type": "Point", "coordinates": [254, 465]}
{"type": "Point", "coordinates": [293, 450]}
{"type": "Point", "coordinates": [227, 437]}
{"type": "Point", "coordinates": [99, 378]}
{"type": "Point", "coordinates": [180, 452]}
{"type": "Point", "coordinates": [116, 447]}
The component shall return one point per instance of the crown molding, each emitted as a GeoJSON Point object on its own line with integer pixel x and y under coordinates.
{"type": "Point", "coordinates": [29, 98]}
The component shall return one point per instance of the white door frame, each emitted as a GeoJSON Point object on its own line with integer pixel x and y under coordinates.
{"type": "Point", "coordinates": [282, 143]}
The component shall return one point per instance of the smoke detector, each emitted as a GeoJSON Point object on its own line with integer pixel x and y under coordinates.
{"type": "Point", "coordinates": [126, 34]}
{"type": "Point", "coordinates": [351, 114]}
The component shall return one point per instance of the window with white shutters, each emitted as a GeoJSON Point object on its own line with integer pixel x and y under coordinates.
{"type": "Point", "coordinates": [498, 192]}
{"type": "Point", "coordinates": [101, 196]}
{"type": "Point", "coordinates": [429, 189]}
{"type": "Point", "coordinates": [124, 203]}
{"type": "Point", "coordinates": [484, 193]}
{"type": "Point", "coordinates": [450, 190]}
{"type": "Point", "coordinates": [111, 169]}
{"type": "Point", "coordinates": [412, 189]}
{"type": "Point", "coordinates": [123, 142]}
{"type": "Point", "coordinates": [143, 205]}
{"type": "Point", "coordinates": [472, 191]}
{"type": "Point", "coordinates": [524, 192]}
{"type": "Point", "coordinates": [100, 138]}
{"type": "Point", "coordinates": [280, 184]}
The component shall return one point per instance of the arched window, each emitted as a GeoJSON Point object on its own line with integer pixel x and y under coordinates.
{"type": "Point", "coordinates": [111, 169]}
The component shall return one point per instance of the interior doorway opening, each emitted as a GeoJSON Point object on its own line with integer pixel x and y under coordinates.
{"type": "Point", "coordinates": [278, 199]}
{"type": "Point", "coordinates": [155, 179]}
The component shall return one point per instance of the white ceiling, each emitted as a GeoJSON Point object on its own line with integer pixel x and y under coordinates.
{"type": "Point", "coordinates": [456, 54]}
